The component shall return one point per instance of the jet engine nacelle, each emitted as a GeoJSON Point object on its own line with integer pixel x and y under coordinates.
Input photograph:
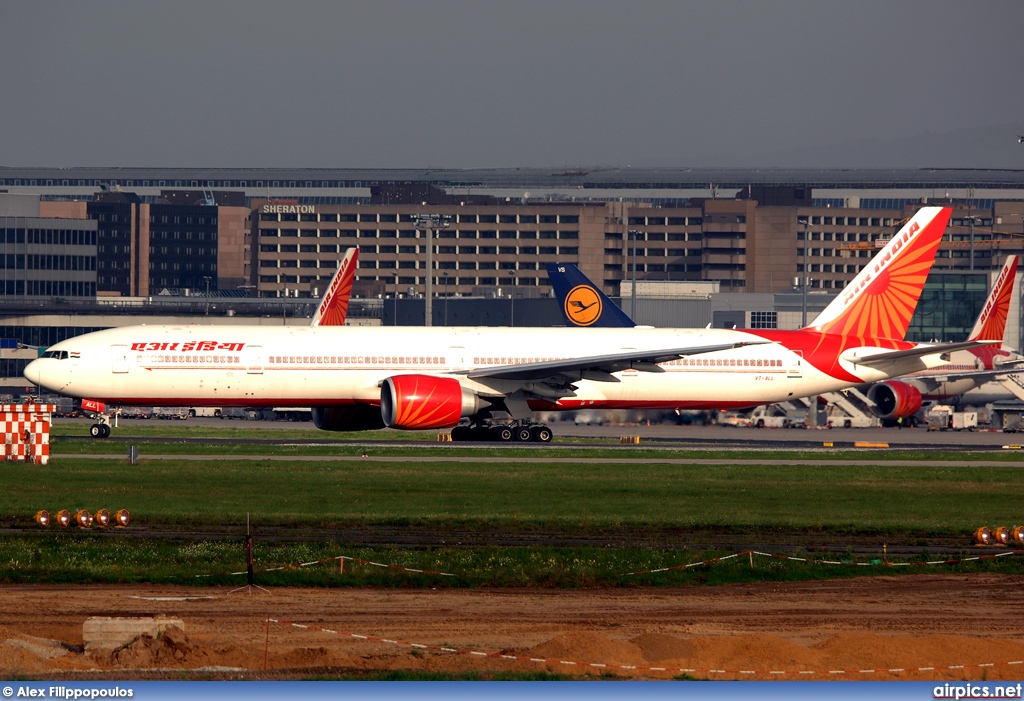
{"type": "Point", "coordinates": [359, 417]}
{"type": "Point", "coordinates": [895, 399]}
{"type": "Point", "coordinates": [423, 401]}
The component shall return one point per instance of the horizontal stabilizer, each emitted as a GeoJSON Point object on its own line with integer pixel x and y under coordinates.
{"type": "Point", "coordinates": [886, 357]}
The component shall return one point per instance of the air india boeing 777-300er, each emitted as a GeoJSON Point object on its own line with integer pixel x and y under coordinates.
{"type": "Point", "coordinates": [361, 378]}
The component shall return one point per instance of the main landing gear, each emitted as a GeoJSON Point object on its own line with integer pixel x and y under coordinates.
{"type": "Point", "coordinates": [520, 430]}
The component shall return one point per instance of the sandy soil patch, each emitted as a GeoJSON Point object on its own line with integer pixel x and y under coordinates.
{"type": "Point", "coordinates": [868, 623]}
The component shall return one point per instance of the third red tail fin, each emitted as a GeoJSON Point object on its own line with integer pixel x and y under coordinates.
{"type": "Point", "coordinates": [991, 323]}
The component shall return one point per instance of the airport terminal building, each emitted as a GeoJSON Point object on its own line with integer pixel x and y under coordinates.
{"type": "Point", "coordinates": [275, 236]}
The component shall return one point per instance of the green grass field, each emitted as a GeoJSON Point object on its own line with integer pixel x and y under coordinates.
{"type": "Point", "coordinates": [90, 557]}
{"type": "Point", "coordinates": [630, 496]}
{"type": "Point", "coordinates": [943, 498]}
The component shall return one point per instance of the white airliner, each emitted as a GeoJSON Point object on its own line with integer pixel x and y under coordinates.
{"type": "Point", "coordinates": [359, 378]}
{"type": "Point", "coordinates": [583, 304]}
{"type": "Point", "coordinates": [967, 369]}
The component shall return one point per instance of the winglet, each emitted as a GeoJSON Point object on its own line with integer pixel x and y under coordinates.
{"type": "Point", "coordinates": [991, 323]}
{"type": "Point", "coordinates": [581, 301]}
{"type": "Point", "coordinates": [334, 306]}
{"type": "Point", "coordinates": [880, 301]}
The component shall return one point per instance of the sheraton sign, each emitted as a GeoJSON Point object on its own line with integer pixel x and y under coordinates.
{"type": "Point", "coordinates": [289, 209]}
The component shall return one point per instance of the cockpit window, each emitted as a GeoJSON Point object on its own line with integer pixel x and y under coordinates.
{"type": "Point", "coordinates": [56, 355]}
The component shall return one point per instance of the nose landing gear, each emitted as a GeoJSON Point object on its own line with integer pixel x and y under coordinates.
{"type": "Point", "coordinates": [100, 430]}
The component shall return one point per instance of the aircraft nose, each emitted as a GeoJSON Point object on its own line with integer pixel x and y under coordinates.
{"type": "Point", "coordinates": [32, 372]}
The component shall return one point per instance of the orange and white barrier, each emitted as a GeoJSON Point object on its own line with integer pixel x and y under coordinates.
{"type": "Point", "coordinates": [26, 430]}
{"type": "Point", "coordinates": [340, 559]}
{"type": "Point", "coordinates": [631, 668]}
{"type": "Point", "coordinates": [813, 561]}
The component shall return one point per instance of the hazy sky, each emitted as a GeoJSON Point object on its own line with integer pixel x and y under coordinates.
{"type": "Point", "coordinates": [511, 83]}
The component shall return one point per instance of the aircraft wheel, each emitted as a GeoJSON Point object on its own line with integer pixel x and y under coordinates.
{"type": "Point", "coordinates": [461, 433]}
{"type": "Point", "coordinates": [542, 434]}
{"type": "Point", "coordinates": [96, 430]}
{"type": "Point", "coordinates": [524, 435]}
{"type": "Point", "coordinates": [502, 434]}
{"type": "Point", "coordinates": [105, 430]}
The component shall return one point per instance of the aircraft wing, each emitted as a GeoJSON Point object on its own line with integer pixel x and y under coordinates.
{"type": "Point", "coordinates": [886, 357]}
{"type": "Point", "coordinates": [598, 367]}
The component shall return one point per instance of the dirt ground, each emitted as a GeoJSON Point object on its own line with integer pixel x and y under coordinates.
{"type": "Point", "coordinates": [867, 623]}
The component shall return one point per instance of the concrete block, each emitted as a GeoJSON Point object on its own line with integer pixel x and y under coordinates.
{"type": "Point", "coordinates": [109, 633]}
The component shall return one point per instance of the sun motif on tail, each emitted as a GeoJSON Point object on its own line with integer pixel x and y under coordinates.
{"type": "Point", "coordinates": [880, 301]}
{"type": "Point", "coordinates": [991, 324]}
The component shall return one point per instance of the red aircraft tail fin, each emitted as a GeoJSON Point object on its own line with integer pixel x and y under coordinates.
{"type": "Point", "coordinates": [334, 306]}
{"type": "Point", "coordinates": [991, 323]}
{"type": "Point", "coordinates": [879, 302]}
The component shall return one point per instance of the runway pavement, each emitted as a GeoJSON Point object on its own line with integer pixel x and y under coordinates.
{"type": "Point", "coordinates": [918, 438]}
{"type": "Point", "coordinates": [695, 436]}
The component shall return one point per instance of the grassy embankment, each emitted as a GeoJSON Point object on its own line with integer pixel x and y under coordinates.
{"type": "Point", "coordinates": [576, 497]}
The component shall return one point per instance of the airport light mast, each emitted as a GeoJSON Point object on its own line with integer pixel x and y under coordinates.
{"type": "Point", "coordinates": [429, 223]}
{"type": "Point", "coordinates": [972, 219]}
{"type": "Point", "coordinates": [207, 278]}
{"type": "Point", "coordinates": [632, 302]}
{"type": "Point", "coordinates": [803, 279]}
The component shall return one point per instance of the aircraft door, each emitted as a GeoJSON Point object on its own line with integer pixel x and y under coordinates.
{"type": "Point", "coordinates": [254, 360]}
{"type": "Point", "coordinates": [796, 365]}
{"type": "Point", "coordinates": [119, 359]}
{"type": "Point", "coordinates": [457, 360]}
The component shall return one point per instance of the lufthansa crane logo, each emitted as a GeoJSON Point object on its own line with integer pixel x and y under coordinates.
{"type": "Point", "coordinates": [583, 305]}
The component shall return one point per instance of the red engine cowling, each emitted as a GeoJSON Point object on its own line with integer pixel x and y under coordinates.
{"type": "Point", "coordinates": [423, 401]}
{"type": "Point", "coordinates": [360, 417]}
{"type": "Point", "coordinates": [895, 399]}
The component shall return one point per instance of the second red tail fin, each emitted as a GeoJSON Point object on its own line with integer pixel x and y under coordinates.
{"type": "Point", "coordinates": [333, 307]}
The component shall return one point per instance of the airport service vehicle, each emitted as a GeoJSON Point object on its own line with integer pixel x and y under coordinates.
{"type": "Point", "coordinates": [360, 378]}
{"type": "Point", "coordinates": [942, 417]}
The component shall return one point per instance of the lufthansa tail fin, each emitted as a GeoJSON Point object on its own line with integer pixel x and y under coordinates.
{"type": "Point", "coordinates": [581, 301]}
{"type": "Point", "coordinates": [333, 307]}
{"type": "Point", "coordinates": [879, 302]}
{"type": "Point", "coordinates": [991, 323]}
